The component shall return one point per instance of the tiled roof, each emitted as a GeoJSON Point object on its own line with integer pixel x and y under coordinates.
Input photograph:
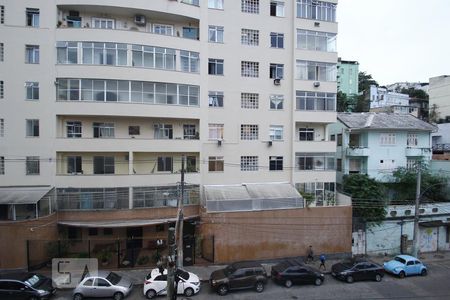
{"type": "Point", "coordinates": [372, 120]}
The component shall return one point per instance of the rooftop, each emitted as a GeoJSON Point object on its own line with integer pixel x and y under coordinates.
{"type": "Point", "coordinates": [372, 120]}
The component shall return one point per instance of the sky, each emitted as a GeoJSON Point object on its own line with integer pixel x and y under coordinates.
{"type": "Point", "coordinates": [396, 40]}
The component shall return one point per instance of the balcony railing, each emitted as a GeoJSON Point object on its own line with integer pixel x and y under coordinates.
{"type": "Point", "coordinates": [358, 151]}
{"type": "Point", "coordinates": [441, 147]}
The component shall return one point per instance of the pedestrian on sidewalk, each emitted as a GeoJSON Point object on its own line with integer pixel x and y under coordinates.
{"type": "Point", "coordinates": [310, 255]}
{"type": "Point", "coordinates": [322, 262]}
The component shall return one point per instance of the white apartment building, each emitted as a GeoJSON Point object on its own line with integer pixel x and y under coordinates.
{"type": "Point", "coordinates": [101, 99]}
{"type": "Point", "coordinates": [439, 92]}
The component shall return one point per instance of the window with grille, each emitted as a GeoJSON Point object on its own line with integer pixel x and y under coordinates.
{"type": "Point", "coordinates": [2, 89]}
{"type": "Point", "coordinates": [249, 163]}
{"type": "Point", "coordinates": [411, 164]}
{"type": "Point", "coordinates": [276, 102]}
{"type": "Point", "coordinates": [277, 8]}
{"type": "Point", "coordinates": [276, 40]}
{"type": "Point", "coordinates": [249, 132]}
{"type": "Point", "coordinates": [2, 14]}
{"type": "Point", "coordinates": [387, 138]}
{"type": "Point", "coordinates": [73, 129]}
{"type": "Point", "coordinates": [2, 165]}
{"type": "Point", "coordinates": [32, 165]}
{"type": "Point", "coordinates": [32, 128]}
{"type": "Point", "coordinates": [31, 54]}
{"type": "Point", "coordinates": [2, 127]}
{"type": "Point", "coordinates": [215, 164]}
{"type": "Point", "coordinates": [215, 131]}
{"type": "Point", "coordinates": [103, 130]}
{"type": "Point", "coordinates": [215, 34]}
{"type": "Point", "coordinates": [249, 37]}
{"type": "Point", "coordinates": [306, 134]}
{"type": "Point", "coordinates": [276, 71]}
{"type": "Point", "coordinates": [32, 90]}
{"type": "Point", "coordinates": [215, 99]}
{"type": "Point", "coordinates": [215, 66]}
{"type": "Point", "coordinates": [165, 164]}
{"type": "Point", "coordinates": [32, 17]}
{"type": "Point", "coordinates": [104, 165]}
{"type": "Point", "coordinates": [250, 6]}
{"type": "Point", "coordinates": [2, 52]}
{"type": "Point", "coordinates": [276, 163]}
{"type": "Point", "coordinates": [276, 132]}
{"type": "Point", "coordinates": [412, 140]}
{"type": "Point", "coordinates": [134, 130]}
{"type": "Point", "coordinates": [249, 69]}
{"type": "Point", "coordinates": [249, 100]}
{"type": "Point", "coordinates": [190, 132]}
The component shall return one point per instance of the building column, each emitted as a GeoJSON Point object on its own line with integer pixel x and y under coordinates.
{"type": "Point", "coordinates": [130, 172]}
{"type": "Point", "coordinates": [130, 197]}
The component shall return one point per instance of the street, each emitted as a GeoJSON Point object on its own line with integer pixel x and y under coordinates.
{"type": "Point", "coordinates": [434, 287]}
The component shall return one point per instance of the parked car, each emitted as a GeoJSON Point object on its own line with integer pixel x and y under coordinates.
{"type": "Point", "coordinates": [351, 270]}
{"type": "Point", "coordinates": [405, 265]}
{"type": "Point", "coordinates": [155, 283]}
{"type": "Point", "coordinates": [25, 285]}
{"type": "Point", "coordinates": [238, 276]}
{"type": "Point", "coordinates": [289, 272]}
{"type": "Point", "coordinates": [105, 284]}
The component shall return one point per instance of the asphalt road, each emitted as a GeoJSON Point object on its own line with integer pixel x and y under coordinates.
{"type": "Point", "coordinates": [435, 286]}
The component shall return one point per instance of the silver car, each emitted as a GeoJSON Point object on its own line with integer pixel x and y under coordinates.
{"type": "Point", "coordinates": [105, 284]}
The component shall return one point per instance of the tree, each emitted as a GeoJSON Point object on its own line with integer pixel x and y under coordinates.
{"type": "Point", "coordinates": [367, 197]}
{"type": "Point", "coordinates": [434, 115]}
{"type": "Point", "coordinates": [342, 102]}
{"type": "Point", "coordinates": [413, 93]}
{"type": "Point", "coordinates": [362, 104]}
{"type": "Point", "coordinates": [365, 81]}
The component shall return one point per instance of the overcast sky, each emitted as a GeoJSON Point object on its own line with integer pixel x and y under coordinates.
{"type": "Point", "coordinates": [396, 40]}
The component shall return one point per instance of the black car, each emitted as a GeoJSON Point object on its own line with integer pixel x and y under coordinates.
{"type": "Point", "coordinates": [351, 270]}
{"type": "Point", "coordinates": [291, 272]}
{"type": "Point", "coordinates": [238, 276]}
{"type": "Point", "coordinates": [29, 286]}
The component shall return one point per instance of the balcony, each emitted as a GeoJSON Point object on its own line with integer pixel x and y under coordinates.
{"type": "Point", "coordinates": [315, 146]}
{"type": "Point", "coordinates": [315, 116]}
{"type": "Point", "coordinates": [417, 151]}
{"type": "Point", "coordinates": [358, 151]}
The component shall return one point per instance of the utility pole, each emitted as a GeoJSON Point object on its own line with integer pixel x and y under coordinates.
{"type": "Point", "coordinates": [180, 219]}
{"type": "Point", "coordinates": [416, 212]}
{"type": "Point", "coordinates": [171, 293]}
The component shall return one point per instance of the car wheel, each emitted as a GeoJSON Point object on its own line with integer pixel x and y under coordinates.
{"type": "Point", "coordinates": [118, 296]}
{"type": "Point", "coordinates": [318, 281]}
{"type": "Point", "coordinates": [77, 297]}
{"type": "Point", "coordinates": [424, 272]}
{"type": "Point", "coordinates": [378, 277]}
{"type": "Point", "coordinates": [259, 286]}
{"type": "Point", "coordinates": [222, 290]}
{"type": "Point", "coordinates": [150, 294]}
{"type": "Point", "coordinates": [401, 274]}
{"type": "Point", "coordinates": [188, 292]}
{"type": "Point", "coordinates": [288, 283]}
{"type": "Point", "coordinates": [349, 279]}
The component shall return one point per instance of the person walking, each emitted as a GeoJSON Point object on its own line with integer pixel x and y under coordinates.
{"type": "Point", "coordinates": [322, 262]}
{"type": "Point", "coordinates": [310, 255]}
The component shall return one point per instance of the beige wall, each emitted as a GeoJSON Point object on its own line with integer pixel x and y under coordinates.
{"type": "Point", "coordinates": [439, 92]}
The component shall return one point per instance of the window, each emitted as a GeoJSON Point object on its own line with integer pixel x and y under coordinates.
{"type": "Point", "coordinates": [163, 131]}
{"type": "Point", "coordinates": [249, 163]}
{"type": "Point", "coordinates": [31, 54]}
{"type": "Point", "coordinates": [32, 128]}
{"type": "Point", "coordinates": [250, 6]}
{"type": "Point", "coordinates": [190, 33]}
{"type": "Point", "coordinates": [217, 4]}
{"type": "Point", "coordinates": [316, 41]}
{"type": "Point", "coordinates": [215, 66]}
{"type": "Point", "coordinates": [312, 70]}
{"type": "Point", "coordinates": [249, 69]}
{"type": "Point", "coordinates": [153, 57]}
{"type": "Point", "coordinates": [387, 138]}
{"type": "Point", "coordinates": [2, 165]}
{"type": "Point", "coordinates": [2, 89]}
{"type": "Point", "coordinates": [316, 10]}
{"type": "Point", "coordinates": [339, 139]}
{"type": "Point", "coordinates": [32, 165]}
{"type": "Point", "coordinates": [411, 164]}
{"type": "Point", "coordinates": [165, 164]}
{"type": "Point", "coordinates": [276, 132]}
{"type": "Point", "coordinates": [134, 130]}
{"type": "Point", "coordinates": [32, 90]}
{"type": "Point", "coordinates": [333, 137]}
{"type": "Point", "coordinates": [215, 131]}
{"type": "Point", "coordinates": [163, 29]}
{"type": "Point", "coordinates": [215, 99]}
{"type": "Point", "coordinates": [339, 164]}
{"type": "Point", "coordinates": [215, 34]}
{"type": "Point", "coordinates": [306, 134]}
{"type": "Point", "coordinates": [314, 161]}
{"type": "Point", "coordinates": [249, 100]}
{"type": "Point", "coordinates": [2, 127]}
{"type": "Point", "coordinates": [2, 14]}
{"type": "Point", "coordinates": [104, 165]}
{"type": "Point", "coordinates": [276, 163]}
{"type": "Point", "coordinates": [276, 71]}
{"type": "Point", "coordinates": [32, 17]}
{"type": "Point", "coordinates": [74, 165]}
{"type": "Point", "coordinates": [412, 140]}
{"type": "Point", "coordinates": [2, 52]}
{"type": "Point", "coordinates": [249, 132]}
{"type": "Point", "coordinates": [277, 9]}
{"type": "Point", "coordinates": [276, 40]}
{"type": "Point", "coordinates": [315, 101]}
{"type": "Point", "coordinates": [191, 164]}
{"type": "Point", "coordinates": [190, 61]}
{"type": "Point", "coordinates": [276, 102]}
{"type": "Point", "coordinates": [249, 37]}
{"type": "Point", "coordinates": [103, 130]}
{"type": "Point", "coordinates": [102, 23]}
{"type": "Point", "coordinates": [191, 2]}
{"type": "Point", "coordinates": [93, 231]}
{"type": "Point", "coordinates": [190, 132]}
{"type": "Point", "coordinates": [107, 231]}
{"type": "Point", "coordinates": [215, 164]}
{"type": "Point", "coordinates": [73, 129]}
{"type": "Point", "coordinates": [112, 54]}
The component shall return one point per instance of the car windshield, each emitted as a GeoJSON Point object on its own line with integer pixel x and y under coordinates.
{"type": "Point", "coordinates": [33, 280]}
{"type": "Point", "coordinates": [399, 259]}
{"type": "Point", "coordinates": [113, 278]}
{"type": "Point", "coordinates": [183, 274]}
{"type": "Point", "coordinates": [229, 270]}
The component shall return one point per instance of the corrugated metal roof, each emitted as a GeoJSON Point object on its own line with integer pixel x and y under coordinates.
{"type": "Point", "coordinates": [372, 120]}
{"type": "Point", "coordinates": [22, 195]}
{"type": "Point", "coordinates": [119, 223]}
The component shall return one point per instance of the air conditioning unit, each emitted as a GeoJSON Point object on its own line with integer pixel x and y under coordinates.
{"type": "Point", "coordinates": [140, 20]}
{"type": "Point", "coordinates": [219, 142]}
{"type": "Point", "coordinates": [316, 83]}
{"type": "Point", "coordinates": [277, 81]}
{"type": "Point", "coordinates": [269, 143]}
{"type": "Point", "coordinates": [317, 24]}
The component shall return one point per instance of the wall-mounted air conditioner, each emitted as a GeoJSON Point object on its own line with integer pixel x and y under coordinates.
{"type": "Point", "coordinates": [316, 83]}
{"type": "Point", "coordinates": [219, 142]}
{"type": "Point", "coordinates": [140, 20]}
{"type": "Point", "coordinates": [277, 81]}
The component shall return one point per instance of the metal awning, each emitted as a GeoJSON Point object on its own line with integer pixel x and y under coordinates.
{"type": "Point", "coordinates": [119, 223]}
{"type": "Point", "coordinates": [23, 195]}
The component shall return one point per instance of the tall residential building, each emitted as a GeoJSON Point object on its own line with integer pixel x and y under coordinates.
{"type": "Point", "coordinates": [100, 100]}
{"type": "Point", "coordinates": [439, 92]}
{"type": "Point", "coordinates": [347, 77]}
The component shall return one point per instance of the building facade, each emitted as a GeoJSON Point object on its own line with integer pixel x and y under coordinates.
{"type": "Point", "coordinates": [439, 92]}
{"type": "Point", "coordinates": [100, 101]}
{"type": "Point", "coordinates": [347, 79]}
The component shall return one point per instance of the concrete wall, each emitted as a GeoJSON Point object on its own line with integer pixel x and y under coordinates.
{"type": "Point", "coordinates": [278, 233]}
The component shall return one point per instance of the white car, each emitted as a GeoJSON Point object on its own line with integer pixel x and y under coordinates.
{"type": "Point", "coordinates": [155, 283]}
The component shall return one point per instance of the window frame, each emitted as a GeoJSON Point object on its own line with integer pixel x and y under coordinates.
{"type": "Point", "coordinates": [306, 134]}
{"type": "Point", "coordinates": [105, 163]}
{"type": "Point", "coordinates": [250, 100]}
{"type": "Point", "coordinates": [249, 37]}
{"type": "Point", "coordinates": [276, 102]}
{"type": "Point", "coordinates": [216, 164]}
{"type": "Point", "coordinates": [215, 4]}
{"type": "Point", "coordinates": [32, 54]}
{"type": "Point", "coordinates": [215, 131]}
{"type": "Point", "coordinates": [103, 130]}
{"type": "Point", "coordinates": [32, 128]}
{"type": "Point", "coordinates": [276, 71]}
{"type": "Point", "coordinates": [277, 40]}
{"type": "Point", "coordinates": [250, 69]}
{"type": "Point", "coordinates": [32, 165]}
{"type": "Point", "coordinates": [277, 12]}
{"type": "Point", "coordinates": [32, 17]}
{"type": "Point", "coordinates": [276, 132]}
{"type": "Point", "coordinates": [250, 6]}
{"type": "Point", "coordinates": [215, 34]}
{"type": "Point", "coordinates": [74, 164]}
{"type": "Point", "coordinates": [32, 89]}
{"type": "Point", "coordinates": [249, 132]}
{"type": "Point", "coordinates": [215, 99]}
{"type": "Point", "coordinates": [74, 129]}
{"type": "Point", "coordinates": [215, 66]}
{"type": "Point", "coordinates": [164, 164]}
{"type": "Point", "coordinates": [103, 22]}
{"type": "Point", "coordinates": [249, 163]}
{"type": "Point", "coordinates": [275, 163]}
{"type": "Point", "coordinates": [2, 165]}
